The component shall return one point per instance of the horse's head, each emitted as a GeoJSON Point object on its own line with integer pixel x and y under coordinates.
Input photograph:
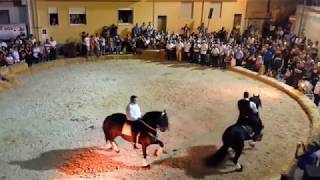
{"type": "Point", "coordinates": [163, 123]}
{"type": "Point", "coordinates": [256, 100]}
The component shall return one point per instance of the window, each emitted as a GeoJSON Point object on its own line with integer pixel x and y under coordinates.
{"type": "Point", "coordinates": [125, 16]}
{"type": "Point", "coordinates": [53, 16]}
{"type": "Point", "coordinates": [217, 9]}
{"type": "Point", "coordinates": [187, 10]}
{"type": "Point", "coordinates": [4, 17]}
{"type": "Point", "coordinates": [77, 16]}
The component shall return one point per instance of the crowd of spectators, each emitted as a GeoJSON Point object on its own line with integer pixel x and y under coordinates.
{"type": "Point", "coordinates": [27, 50]}
{"type": "Point", "coordinates": [276, 52]}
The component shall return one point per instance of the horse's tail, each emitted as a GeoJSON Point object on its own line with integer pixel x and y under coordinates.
{"type": "Point", "coordinates": [218, 157]}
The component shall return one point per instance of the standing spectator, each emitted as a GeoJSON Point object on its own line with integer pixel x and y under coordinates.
{"type": "Point", "coordinates": [87, 44]}
{"type": "Point", "coordinates": [136, 30]}
{"type": "Point", "coordinates": [53, 49]}
{"type": "Point", "coordinates": [170, 50]}
{"type": "Point", "coordinates": [97, 50]}
{"type": "Point", "coordinates": [196, 51]}
{"type": "Point", "coordinates": [47, 49]}
{"type": "Point", "coordinates": [102, 43]}
{"type": "Point", "coordinates": [92, 45]}
{"type": "Point", "coordinates": [309, 156]}
{"type": "Point", "coordinates": [268, 56]}
{"type": "Point", "coordinates": [186, 49]}
{"type": "Point", "coordinates": [185, 31]}
{"type": "Point", "coordinates": [203, 52]}
{"type": "Point", "coordinates": [113, 30]}
{"type": "Point", "coordinates": [179, 47]}
{"type": "Point", "coordinates": [149, 30]}
{"type": "Point", "coordinates": [239, 56]}
{"type": "Point", "coordinates": [37, 53]}
{"type": "Point", "coordinates": [316, 93]}
{"type": "Point", "coordinates": [215, 55]}
{"type": "Point", "coordinates": [118, 44]}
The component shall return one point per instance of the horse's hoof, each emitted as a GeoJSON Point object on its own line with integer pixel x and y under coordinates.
{"type": "Point", "coordinates": [252, 144]}
{"type": "Point", "coordinates": [135, 147]}
{"type": "Point", "coordinates": [240, 169]}
{"type": "Point", "coordinates": [147, 166]}
{"type": "Point", "coordinates": [118, 151]}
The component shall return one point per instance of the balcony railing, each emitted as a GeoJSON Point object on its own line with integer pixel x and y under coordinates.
{"type": "Point", "coordinates": [309, 2]}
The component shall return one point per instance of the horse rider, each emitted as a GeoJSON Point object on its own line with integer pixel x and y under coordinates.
{"type": "Point", "coordinates": [248, 114]}
{"type": "Point", "coordinates": [133, 116]}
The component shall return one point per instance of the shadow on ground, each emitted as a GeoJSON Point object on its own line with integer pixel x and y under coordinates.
{"type": "Point", "coordinates": [82, 161]}
{"type": "Point", "coordinates": [194, 163]}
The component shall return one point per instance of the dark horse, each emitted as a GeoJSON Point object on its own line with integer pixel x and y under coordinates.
{"type": "Point", "coordinates": [145, 130]}
{"type": "Point", "coordinates": [234, 137]}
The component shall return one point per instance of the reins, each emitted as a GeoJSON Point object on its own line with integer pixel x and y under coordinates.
{"type": "Point", "coordinates": [148, 126]}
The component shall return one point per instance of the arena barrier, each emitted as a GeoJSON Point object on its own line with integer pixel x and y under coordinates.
{"type": "Point", "coordinates": [160, 55]}
{"type": "Point", "coordinates": [305, 103]}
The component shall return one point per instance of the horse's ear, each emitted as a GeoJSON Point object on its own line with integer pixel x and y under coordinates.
{"type": "Point", "coordinates": [258, 95]}
{"type": "Point", "coordinates": [165, 111]}
{"type": "Point", "coordinates": [254, 95]}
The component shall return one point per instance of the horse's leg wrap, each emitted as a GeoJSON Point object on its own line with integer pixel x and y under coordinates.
{"type": "Point", "coordinates": [109, 146]}
{"type": "Point", "coordinates": [115, 146]}
{"type": "Point", "coordinates": [159, 151]}
{"type": "Point", "coordinates": [144, 162]}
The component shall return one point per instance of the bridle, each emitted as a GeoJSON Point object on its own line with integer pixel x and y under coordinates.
{"type": "Point", "coordinates": [144, 123]}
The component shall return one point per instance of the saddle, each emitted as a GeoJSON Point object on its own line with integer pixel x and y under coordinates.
{"type": "Point", "coordinates": [126, 129]}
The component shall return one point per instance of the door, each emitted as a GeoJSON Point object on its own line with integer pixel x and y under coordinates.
{"type": "Point", "coordinates": [4, 17]}
{"type": "Point", "coordinates": [162, 23]}
{"type": "Point", "coordinates": [237, 21]}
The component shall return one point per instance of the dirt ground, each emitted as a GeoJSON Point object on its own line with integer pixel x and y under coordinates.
{"type": "Point", "coordinates": [51, 124]}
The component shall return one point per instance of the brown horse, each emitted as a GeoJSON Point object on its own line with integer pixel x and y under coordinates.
{"type": "Point", "coordinates": [146, 130]}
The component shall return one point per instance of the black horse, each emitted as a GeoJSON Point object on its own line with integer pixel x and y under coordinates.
{"type": "Point", "coordinates": [145, 130]}
{"type": "Point", "coordinates": [234, 137]}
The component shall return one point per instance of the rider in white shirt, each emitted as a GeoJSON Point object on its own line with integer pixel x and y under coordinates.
{"type": "Point", "coordinates": [133, 115]}
{"type": "Point", "coordinates": [133, 110]}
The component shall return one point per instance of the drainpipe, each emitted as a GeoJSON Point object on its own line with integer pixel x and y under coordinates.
{"type": "Point", "coordinates": [301, 18]}
{"type": "Point", "coordinates": [153, 12]}
{"type": "Point", "coordinates": [30, 16]}
{"type": "Point", "coordinates": [202, 12]}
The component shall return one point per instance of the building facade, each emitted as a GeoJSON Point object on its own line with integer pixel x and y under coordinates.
{"type": "Point", "coordinates": [308, 20]}
{"type": "Point", "coordinates": [65, 20]}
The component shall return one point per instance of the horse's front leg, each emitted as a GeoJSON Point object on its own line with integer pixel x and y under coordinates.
{"type": "Point", "coordinates": [144, 161]}
{"type": "Point", "coordinates": [160, 150]}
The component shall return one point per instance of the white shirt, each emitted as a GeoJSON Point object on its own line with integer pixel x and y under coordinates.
{"type": "Point", "coordinates": [87, 41]}
{"type": "Point", "coordinates": [16, 55]}
{"type": "Point", "coordinates": [179, 46]}
{"type": "Point", "coordinates": [36, 52]}
{"type": "Point", "coordinates": [253, 106]}
{"type": "Point", "coordinates": [133, 112]}
{"type": "Point", "coordinates": [187, 47]}
{"type": "Point", "coordinates": [317, 88]}
{"type": "Point", "coordinates": [204, 48]}
{"type": "Point", "coordinates": [53, 43]}
{"type": "Point", "coordinates": [103, 41]}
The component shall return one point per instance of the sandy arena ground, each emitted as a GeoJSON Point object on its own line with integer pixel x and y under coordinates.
{"type": "Point", "coordinates": [51, 123]}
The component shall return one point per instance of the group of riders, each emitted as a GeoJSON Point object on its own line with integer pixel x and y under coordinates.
{"type": "Point", "coordinates": [248, 116]}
